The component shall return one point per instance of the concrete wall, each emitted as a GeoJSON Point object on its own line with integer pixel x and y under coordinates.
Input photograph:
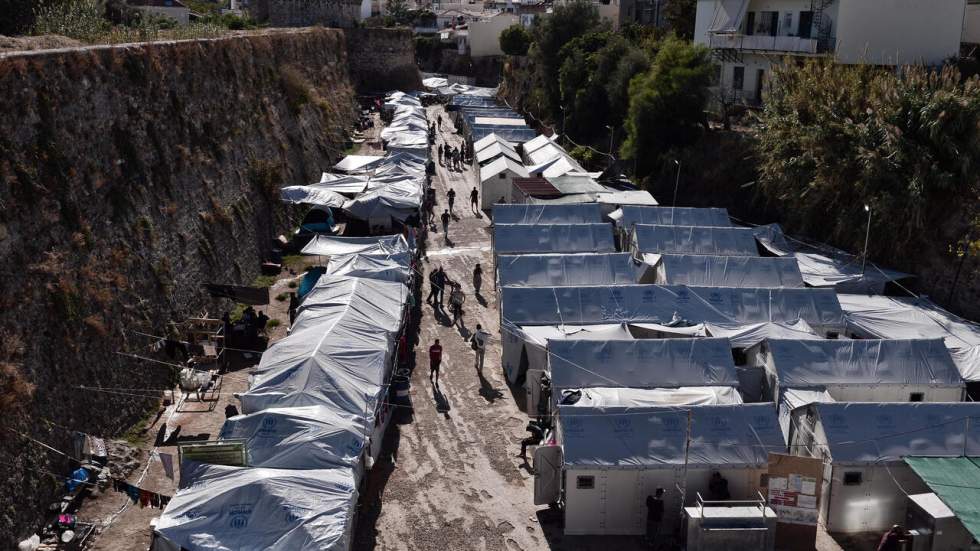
{"type": "Point", "coordinates": [893, 32]}
{"type": "Point", "coordinates": [305, 13]}
{"type": "Point", "coordinates": [484, 34]}
{"type": "Point", "coordinates": [875, 504]}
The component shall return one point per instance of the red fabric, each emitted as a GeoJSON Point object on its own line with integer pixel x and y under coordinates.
{"type": "Point", "coordinates": [435, 352]}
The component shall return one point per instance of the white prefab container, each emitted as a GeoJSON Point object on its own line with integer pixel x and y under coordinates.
{"type": "Point", "coordinates": [552, 238]}
{"type": "Point", "coordinates": [693, 240]}
{"type": "Point", "coordinates": [614, 457]}
{"type": "Point", "coordinates": [725, 271]}
{"type": "Point", "coordinates": [563, 270]}
{"type": "Point", "coordinates": [865, 481]}
{"type": "Point", "coordinates": [913, 370]}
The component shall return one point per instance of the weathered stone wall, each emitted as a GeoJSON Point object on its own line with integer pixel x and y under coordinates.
{"type": "Point", "coordinates": [306, 13]}
{"type": "Point", "coordinates": [129, 176]}
{"type": "Point", "coordinates": [382, 59]}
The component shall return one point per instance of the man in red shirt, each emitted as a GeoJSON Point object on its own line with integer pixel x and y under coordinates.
{"type": "Point", "coordinates": [435, 358]}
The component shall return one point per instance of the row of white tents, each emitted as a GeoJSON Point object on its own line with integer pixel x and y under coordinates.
{"type": "Point", "coordinates": [314, 415]}
{"type": "Point", "coordinates": [701, 349]}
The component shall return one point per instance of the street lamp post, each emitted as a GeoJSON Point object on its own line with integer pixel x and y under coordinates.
{"type": "Point", "coordinates": [677, 181]}
{"type": "Point", "coordinates": [867, 234]}
{"type": "Point", "coordinates": [612, 135]}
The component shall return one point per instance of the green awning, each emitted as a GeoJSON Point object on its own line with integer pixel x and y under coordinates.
{"type": "Point", "coordinates": [956, 480]}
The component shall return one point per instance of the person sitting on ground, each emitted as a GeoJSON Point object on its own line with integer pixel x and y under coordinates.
{"type": "Point", "coordinates": [260, 321]}
{"type": "Point", "coordinates": [537, 434]}
{"type": "Point", "coordinates": [502, 200]}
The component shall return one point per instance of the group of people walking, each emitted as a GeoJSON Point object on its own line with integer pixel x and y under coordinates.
{"type": "Point", "coordinates": [453, 157]}
{"type": "Point", "coordinates": [439, 281]}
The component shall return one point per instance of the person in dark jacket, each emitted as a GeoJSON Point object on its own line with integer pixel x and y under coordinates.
{"type": "Point", "coordinates": [655, 515]}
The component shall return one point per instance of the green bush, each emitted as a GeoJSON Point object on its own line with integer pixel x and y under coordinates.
{"type": "Point", "coordinates": [515, 40]}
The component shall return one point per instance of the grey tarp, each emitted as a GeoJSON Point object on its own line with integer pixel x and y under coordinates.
{"type": "Point", "coordinates": [672, 216]}
{"type": "Point", "coordinates": [389, 267]}
{"type": "Point", "coordinates": [552, 238]}
{"type": "Point", "coordinates": [647, 397]}
{"type": "Point", "coordinates": [339, 351]}
{"type": "Point", "coordinates": [809, 363]}
{"type": "Point", "coordinates": [547, 214]}
{"type": "Point", "coordinates": [558, 270]}
{"type": "Point", "coordinates": [342, 183]}
{"type": "Point", "coordinates": [908, 318]}
{"type": "Point", "coordinates": [355, 164]}
{"type": "Point", "coordinates": [532, 341]}
{"type": "Point", "coordinates": [397, 199]}
{"type": "Point", "coordinates": [825, 266]}
{"type": "Point", "coordinates": [233, 508]}
{"type": "Point", "coordinates": [725, 271]}
{"type": "Point", "coordinates": [728, 436]}
{"type": "Point", "coordinates": [694, 240]}
{"type": "Point", "coordinates": [643, 363]}
{"type": "Point", "coordinates": [311, 437]}
{"type": "Point", "coordinates": [325, 245]}
{"type": "Point", "coordinates": [792, 398]}
{"type": "Point", "coordinates": [748, 335]}
{"type": "Point", "coordinates": [662, 304]}
{"type": "Point", "coordinates": [312, 195]}
{"type": "Point", "coordinates": [866, 433]}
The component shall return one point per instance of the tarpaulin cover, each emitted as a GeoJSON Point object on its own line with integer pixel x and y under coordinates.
{"type": "Point", "coordinates": [312, 195]}
{"type": "Point", "coordinates": [534, 342]}
{"type": "Point", "coordinates": [792, 398]}
{"type": "Point", "coordinates": [646, 397]}
{"type": "Point", "coordinates": [338, 353]}
{"type": "Point", "coordinates": [626, 197]}
{"type": "Point", "coordinates": [398, 200]}
{"type": "Point", "coordinates": [694, 240]}
{"type": "Point", "coordinates": [234, 508]}
{"type": "Point", "coordinates": [866, 433]}
{"type": "Point", "coordinates": [908, 318]}
{"type": "Point", "coordinates": [662, 304]}
{"type": "Point", "coordinates": [642, 363]}
{"type": "Point", "coordinates": [673, 216]}
{"type": "Point", "coordinates": [537, 143]}
{"type": "Point", "coordinates": [553, 238]}
{"type": "Point", "coordinates": [340, 183]}
{"type": "Point", "coordinates": [495, 150]}
{"type": "Point", "coordinates": [956, 480]}
{"type": "Point", "coordinates": [513, 135]}
{"type": "Point", "coordinates": [388, 267]}
{"type": "Point", "coordinates": [324, 245]}
{"type": "Point", "coordinates": [725, 271]}
{"type": "Point", "coordinates": [748, 335]}
{"type": "Point", "coordinates": [547, 214]}
{"type": "Point", "coordinates": [728, 436]}
{"type": "Point", "coordinates": [311, 437]}
{"type": "Point", "coordinates": [825, 266]}
{"type": "Point", "coordinates": [558, 270]}
{"type": "Point", "coordinates": [571, 183]}
{"type": "Point", "coordinates": [808, 363]}
{"type": "Point", "coordinates": [358, 163]}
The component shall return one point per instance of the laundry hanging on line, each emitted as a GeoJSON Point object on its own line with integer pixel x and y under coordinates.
{"type": "Point", "coordinates": [145, 498]}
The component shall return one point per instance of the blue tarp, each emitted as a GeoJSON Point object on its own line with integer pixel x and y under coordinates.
{"type": "Point", "coordinates": [309, 280]}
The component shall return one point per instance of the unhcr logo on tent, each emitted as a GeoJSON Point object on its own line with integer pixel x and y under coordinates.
{"type": "Point", "coordinates": [354, 447]}
{"type": "Point", "coordinates": [648, 297]}
{"type": "Point", "coordinates": [622, 426]}
{"type": "Point", "coordinates": [239, 515]}
{"type": "Point", "coordinates": [670, 423]}
{"type": "Point", "coordinates": [718, 424]}
{"type": "Point", "coordinates": [572, 426]}
{"type": "Point", "coordinates": [884, 422]}
{"type": "Point", "coordinates": [836, 420]}
{"type": "Point", "coordinates": [292, 515]}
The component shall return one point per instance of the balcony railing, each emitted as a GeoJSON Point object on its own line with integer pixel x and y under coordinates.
{"type": "Point", "coordinates": [764, 43]}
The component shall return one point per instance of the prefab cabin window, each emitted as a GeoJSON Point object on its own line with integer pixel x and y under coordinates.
{"type": "Point", "coordinates": [584, 482]}
{"type": "Point", "coordinates": [916, 397]}
{"type": "Point", "coordinates": [852, 478]}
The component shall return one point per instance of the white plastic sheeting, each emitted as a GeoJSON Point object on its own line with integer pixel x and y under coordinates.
{"type": "Point", "coordinates": [495, 150]}
{"type": "Point", "coordinates": [908, 318]}
{"type": "Point", "coordinates": [865, 433]}
{"type": "Point", "coordinates": [671, 216]}
{"type": "Point", "coordinates": [347, 185]}
{"type": "Point", "coordinates": [501, 165]}
{"type": "Point", "coordinates": [825, 266]}
{"type": "Point", "coordinates": [312, 195]}
{"type": "Point", "coordinates": [397, 200]}
{"type": "Point", "coordinates": [532, 341]}
{"type": "Point", "coordinates": [388, 267]}
{"type": "Point", "coordinates": [358, 163]}
{"type": "Point", "coordinates": [728, 436]}
{"type": "Point", "coordinates": [325, 245]}
{"type": "Point", "coordinates": [812, 363]}
{"type": "Point", "coordinates": [793, 398]}
{"type": "Point", "coordinates": [547, 214]}
{"type": "Point", "coordinates": [552, 238]}
{"type": "Point", "coordinates": [558, 270]}
{"type": "Point", "coordinates": [748, 335]}
{"type": "Point", "coordinates": [338, 353]}
{"type": "Point", "coordinates": [725, 271]}
{"type": "Point", "coordinates": [662, 304]}
{"type": "Point", "coordinates": [694, 240]}
{"type": "Point", "coordinates": [491, 139]}
{"type": "Point", "coordinates": [233, 508]}
{"type": "Point", "coordinates": [312, 437]}
{"type": "Point", "coordinates": [647, 397]}
{"type": "Point", "coordinates": [728, 15]}
{"type": "Point", "coordinates": [644, 363]}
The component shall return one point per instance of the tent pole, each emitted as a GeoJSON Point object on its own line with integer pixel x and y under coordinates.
{"type": "Point", "coordinates": [687, 450]}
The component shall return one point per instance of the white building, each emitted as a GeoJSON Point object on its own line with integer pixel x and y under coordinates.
{"type": "Point", "coordinates": [971, 23]}
{"type": "Point", "coordinates": [485, 33]}
{"type": "Point", "coordinates": [748, 36]}
{"type": "Point", "coordinates": [173, 9]}
{"type": "Point", "coordinates": [497, 180]}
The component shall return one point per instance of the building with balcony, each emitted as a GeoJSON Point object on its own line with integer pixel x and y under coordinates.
{"type": "Point", "coordinates": [748, 36]}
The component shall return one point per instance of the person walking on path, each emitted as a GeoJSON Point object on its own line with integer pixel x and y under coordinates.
{"type": "Point", "coordinates": [435, 359]}
{"type": "Point", "coordinates": [474, 200]}
{"type": "Point", "coordinates": [441, 147]}
{"type": "Point", "coordinates": [456, 299]}
{"type": "Point", "coordinates": [441, 280]}
{"type": "Point", "coordinates": [434, 287]}
{"type": "Point", "coordinates": [477, 279]}
{"type": "Point", "coordinates": [451, 197]}
{"type": "Point", "coordinates": [445, 223]}
{"type": "Point", "coordinates": [479, 342]}
{"type": "Point", "coordinates": [655, 515]}
{"type": "Point", "coordinates": [439, 119]}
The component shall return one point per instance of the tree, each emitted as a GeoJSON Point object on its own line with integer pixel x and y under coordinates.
{"type": "Point", "coordinates": [551, 33]}
{"type": "Point", "coordinates": [679, 16]}
{"type": "Point", "coordinates": [515, 40]}
{"type": "Point", "coordinates": [837, 137]}
{"type": "Point", "coordinates": [667, 103]}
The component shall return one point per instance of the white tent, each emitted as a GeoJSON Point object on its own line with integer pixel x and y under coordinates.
{"type": "Point", "coordinates": [389, 267]}
{"type": "Point", "coordinates": [649, 397]}
{"type": "Point", "coordinates": [748, 335]}
{"type": "Point", "coordinates": [355, 164]}
{"type": "Point", "coordinates": [724, 271]}
{"type": "Point", "coordinates": [312, 195]}
{"type": "Point", "coordinates": [693, 240]}
{"type": "Point", "coordinates": [491, 139]}
{"type": "Point", "coordinates": [666, 304]}
{"type": "Point", "coordinates": [644, 363]}
{"type": "Point", "coordinates": [397, 200]}
{"type": "Point", "coordinates": [792, 398]}
{"type": "Point", "coordinates": [230, 508]}
{"type": "Point", "coordinates": [868, 483]}
{"type": "Point", "coordinates": [325, 245]}
{"type": "Point", "coordinates": [547, 214]}
{"type": "Point", "coordinates": [311, 437]}
{"type": "Point", "coordinates": [358, 300]}
{"type": "Point", "coordinates": [552, 238]}
{"type": "Point", "coordinates": [616, 456]}
{"type": "Point", "coordinates": [536, 143]}
{"type": "Point", "coordinates": [862, 370]}
{"type": "Point", "coordinates": [495, 151]}
{"type": "Point", "coordinates": [348, 185]}
{"type": "Point", "coordinates": [671, 216]}
{"type": "Point", "coordinates": [884, 317]}
{"type": "Point", "coordinates": [558, 270]}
